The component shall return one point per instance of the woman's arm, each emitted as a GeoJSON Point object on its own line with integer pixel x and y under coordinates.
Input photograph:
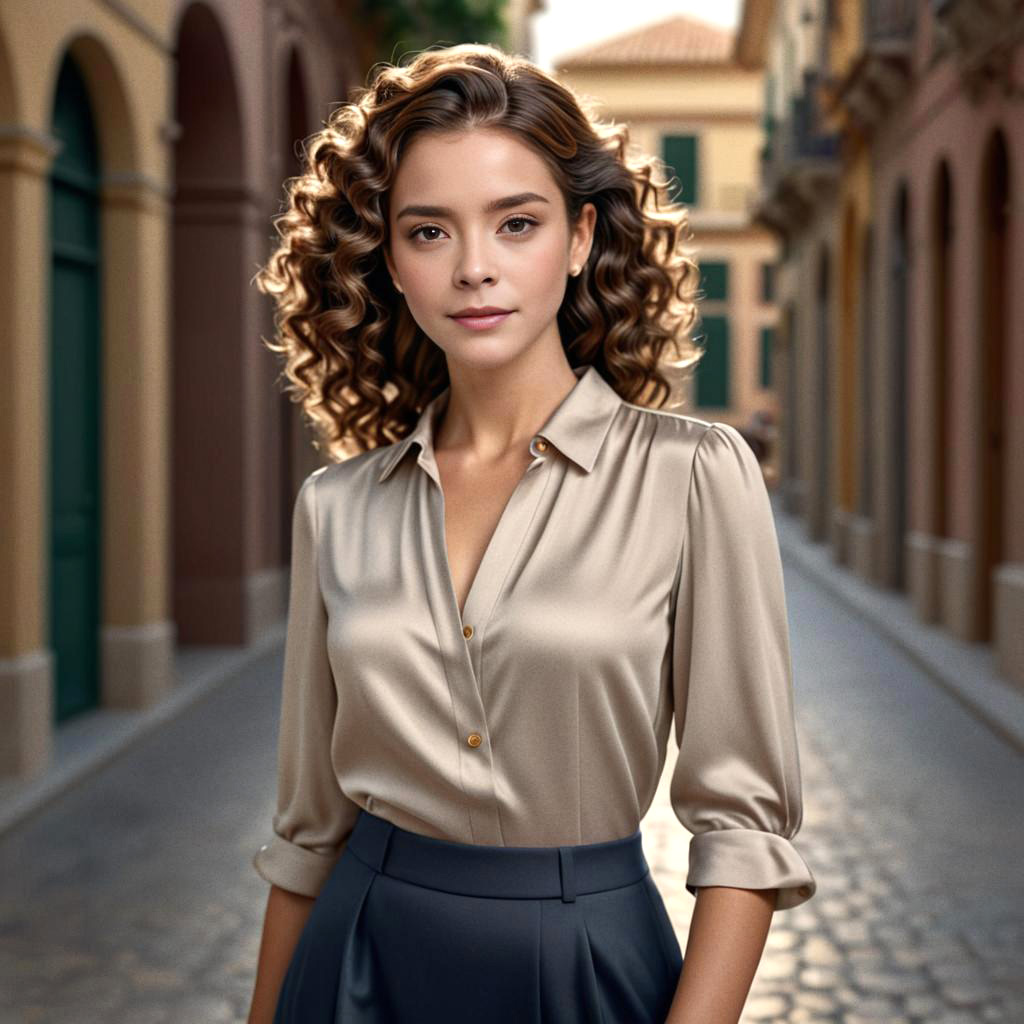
{"type": "Point", "coordinates": [313, 818]}
{"type": "Point", "coordinates": [727, 936]}
{"type": "Point", "coordinates": [282, 925]}
{"type": "Point", "coordinates": [736, 784]}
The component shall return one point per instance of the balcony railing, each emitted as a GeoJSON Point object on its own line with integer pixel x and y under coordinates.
{"type": "Point", "coordinates": [805, 139]}
{"type": "Point", "coordinates": [799, 162]}
{"type": "Point", "coordinates": [889, 21]}
{"type": "Point", "coordinates": [978, 24]}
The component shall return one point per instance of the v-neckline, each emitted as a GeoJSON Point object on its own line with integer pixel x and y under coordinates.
{"type": "Point", "coordinates": [489, 555]}
{"type": "Point", "coordinates": [501, 547]}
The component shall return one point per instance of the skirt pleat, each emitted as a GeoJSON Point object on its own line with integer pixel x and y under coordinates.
{"type": "Point", "coordinates": [331, 967]}
{"type": "Point", "coordinates": [378, 949]}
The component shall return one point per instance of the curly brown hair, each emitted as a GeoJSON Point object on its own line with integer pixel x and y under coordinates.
{"type": "Point", "coordinates": [356, 359]}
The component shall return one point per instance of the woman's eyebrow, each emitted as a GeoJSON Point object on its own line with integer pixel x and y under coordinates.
{"type": "Point", "coordinates": [495, 204]}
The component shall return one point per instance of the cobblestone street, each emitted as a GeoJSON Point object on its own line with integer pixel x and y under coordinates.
{"type": "Point", "coordinates": [913, 826]}
{"type": "Point", "coordinates": [132, 897]}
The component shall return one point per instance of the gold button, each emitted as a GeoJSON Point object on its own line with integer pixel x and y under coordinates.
{"type": "Point", "coordinates": [542, 445]}
{"type": "Point", "coordinates": [474, 739]}
{"type": "Point", "coordinates": [467, 631]}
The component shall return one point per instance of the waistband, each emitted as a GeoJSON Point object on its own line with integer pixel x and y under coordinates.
{"type": "Point", "coordinates": [520, 872]}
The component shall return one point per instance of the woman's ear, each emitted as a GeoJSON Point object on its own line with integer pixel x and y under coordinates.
{"type": "Point", "coordinates": [391, 267]}
{"type": "Point", "coordinates": [583, 235]}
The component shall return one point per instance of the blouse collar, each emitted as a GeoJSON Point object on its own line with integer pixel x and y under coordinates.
{"type": "Point", "coordinates": [577, 427]}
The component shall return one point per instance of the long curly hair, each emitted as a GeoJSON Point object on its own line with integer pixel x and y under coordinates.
{"type": "Point", "coordinates": [354, 356]}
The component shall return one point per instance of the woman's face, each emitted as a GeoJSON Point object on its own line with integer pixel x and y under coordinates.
{"type": "Point", "coordinates": [476, 220]}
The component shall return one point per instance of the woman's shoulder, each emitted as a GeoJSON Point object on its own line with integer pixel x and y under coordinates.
{"type": "Point", "coordinates": [349, 477]}
{"type": "Point", "coordinates": [690, 449]}
{"type": "Point", "coordinates": [688, 432]}
{"type": "Point", "coordinates": [676, 432]}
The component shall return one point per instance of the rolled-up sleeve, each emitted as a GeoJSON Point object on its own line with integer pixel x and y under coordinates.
{"type": "Point", "coordinates": [736, 784]}
{"type": "Point", "coordinates": [313, 818]}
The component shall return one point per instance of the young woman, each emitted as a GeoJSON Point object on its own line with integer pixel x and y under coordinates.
{"type": "Point", "coordinates": [503, 600]}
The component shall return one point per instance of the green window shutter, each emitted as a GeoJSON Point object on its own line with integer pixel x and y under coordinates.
{"type": "Point", "coordinates": [767, 282]}
{"type": "Point", "coordinates": [680, 155]}
{"type": "Point", "coordinates": [713, 368]}
{"type": "Point", "coordinates": [714, 281]}
{"type": "Point", "coordinates": [767, 350]}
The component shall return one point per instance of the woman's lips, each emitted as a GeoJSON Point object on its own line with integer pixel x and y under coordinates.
{"type": "Point", "coordinates": [479, 323]}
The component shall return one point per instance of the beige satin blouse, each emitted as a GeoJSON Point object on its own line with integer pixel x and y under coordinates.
{"type": "Point", "coordinates": [633, 580]}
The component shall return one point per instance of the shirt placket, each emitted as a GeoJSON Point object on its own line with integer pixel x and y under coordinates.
{"type": "Point", "coordinates": [461, 638]}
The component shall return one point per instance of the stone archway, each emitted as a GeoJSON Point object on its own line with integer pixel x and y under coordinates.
{"type": "Point", "coordinates": [213, 530]}
{"type": "Point", "coordinates": [995, 267]}
{"type": "Point", "coordinates": [847, 383]}
{"type": "Point", "coordinates": [821, 333]}
{"type": "Point", "coordinates": [898, 259]}
{"type": "Point", "coordinates": [865, 373]}
{"type": "Point", "coordinates": [74, 458]}
{"type": "Point", "coordinates": [942, 300]}
{"type": "Point", "coordinates": [298, 457]}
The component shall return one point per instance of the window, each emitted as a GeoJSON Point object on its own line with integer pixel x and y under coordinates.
{"type": "Point", "coordinates": [767, 282]}
{"type": "Point", "coordinates": [680, 155]}
{"type": "Point", "coordinates": [768, 117]}
{"type": "Point", "coordinates": [713, 368]}
{"type": "Point", "coordinates": [714, 281]}
{"type": "Point", "coordinates": [767, 351]}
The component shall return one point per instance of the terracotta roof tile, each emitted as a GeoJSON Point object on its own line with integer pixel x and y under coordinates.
{"type": "Point", "coordinates": [680, 39]}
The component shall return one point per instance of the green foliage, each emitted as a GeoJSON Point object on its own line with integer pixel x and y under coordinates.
{"type": "Point", "coordinates": [393, 28]}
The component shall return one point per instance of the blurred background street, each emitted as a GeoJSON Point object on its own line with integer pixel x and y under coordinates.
{"type": "Point", "coordinates": [853, 171]}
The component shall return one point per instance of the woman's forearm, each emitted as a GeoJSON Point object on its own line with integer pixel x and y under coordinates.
{"type": "Point", "coordinates": [283, 922]}
{"type": "Point", "coordinates": [727, 936]}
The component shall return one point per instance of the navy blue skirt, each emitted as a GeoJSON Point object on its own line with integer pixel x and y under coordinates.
{"type": "Point", "coordinates": [409, 928]}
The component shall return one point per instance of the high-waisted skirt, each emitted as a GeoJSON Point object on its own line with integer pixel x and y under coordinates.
{"type": "Point", "coordinates": [409, 929]}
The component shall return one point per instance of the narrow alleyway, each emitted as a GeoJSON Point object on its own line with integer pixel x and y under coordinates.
{"type": "Point", "coordinates": [132, 897]}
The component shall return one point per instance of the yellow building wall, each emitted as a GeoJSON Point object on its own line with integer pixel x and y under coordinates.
{"type": "Point", "coordinates": [134, 157]}
{"type": "Point", "coordinates": [723, 106]}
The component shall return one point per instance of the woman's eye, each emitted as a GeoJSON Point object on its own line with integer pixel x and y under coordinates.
{"type": "Point", "coordinates": [426, 227]}
{"type": "Point", "coordinates": [528, 221]}
{"type": "Point", "coordinates": [519, 220]}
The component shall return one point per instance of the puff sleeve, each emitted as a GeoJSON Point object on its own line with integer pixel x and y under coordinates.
{"type": "Point", "coordinates": [736, 784]}
{"type": "Point", "coordinates": [313, 818]}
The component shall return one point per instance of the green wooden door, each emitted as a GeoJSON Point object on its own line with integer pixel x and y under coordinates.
{"type": "Point", "coordinates": [74, 456]}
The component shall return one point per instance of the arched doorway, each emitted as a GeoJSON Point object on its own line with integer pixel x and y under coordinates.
{"type": "Point", "coordinates": [215, 459]}
{"type": "Point", "coordinates": [74, 399]}
{"type": "Point", "coordinates": [942, 314]}
{"type": "Point", "coordinates": [865, 371]}
{"type": "Point", "coordinates": [823, 488]}
{"type": "Point", "coordinates": [297, 458]}
{"type": "Point", "coordinates": [847, 366]}
{"type": "Point", "coordinates": [789, 365]}
{"type": "Point", "coordinates": [899, 304]}
{"type": "Point", "coordinates": [993, 292]}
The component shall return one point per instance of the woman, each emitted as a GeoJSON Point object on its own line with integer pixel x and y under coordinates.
{"type": "Point", "coordinates": [501, 603]}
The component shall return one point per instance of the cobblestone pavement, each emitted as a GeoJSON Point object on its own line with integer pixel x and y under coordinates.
{"type": "Point", "coordinates": [913, 827]}
{"type": "Point", "coordinates": [132, 899]}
